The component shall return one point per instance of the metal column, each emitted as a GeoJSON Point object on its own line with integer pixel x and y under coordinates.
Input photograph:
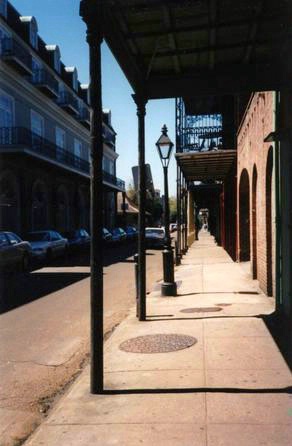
{"type": "Point", "coordinates": [91, 13]}
{"type": "Point", "coordinates": [178, 178]}
{"type": "Point", "coordinates": [141, 101]}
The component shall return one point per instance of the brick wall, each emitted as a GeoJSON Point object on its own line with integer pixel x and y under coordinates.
{"type": "Point", "coordinates": [256, 157]}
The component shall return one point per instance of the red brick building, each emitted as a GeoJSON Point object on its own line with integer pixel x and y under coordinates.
{"type": "Point", "coordinates": [255, 191]}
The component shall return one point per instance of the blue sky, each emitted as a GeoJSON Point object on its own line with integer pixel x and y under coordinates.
{"type": "Point", "coordinates": [59, 23]}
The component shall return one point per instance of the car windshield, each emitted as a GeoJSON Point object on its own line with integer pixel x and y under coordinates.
{"type": "Point", "coordinates": [156, 231]}
{"type": "Point", "coordinates": [38, 237]}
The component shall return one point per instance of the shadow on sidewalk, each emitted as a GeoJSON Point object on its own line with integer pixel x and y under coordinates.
{"type": "Point", "coordinates": [17, 289]}
{"type": "Point", "coordinates": [277, 328]}
{"type": "Point", "coordinates": [219, 292]}
{"type": "Point", "coordinates": [286, 390]}
{"type": "Point", "coordinates": [280, 331]}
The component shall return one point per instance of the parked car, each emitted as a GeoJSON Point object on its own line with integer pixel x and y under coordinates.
{"type": "Point", "coordinates": [118, 235]}
{"type": "Point", "coordinates": [14, 252]}
{"type": "Point", "coordinates": [77, 239]}
{"type": "Point", "coordinates": [131, 232]}
{"type": "Point", "coordinates": [106, 235]}
{"type": "Point", "coordinates": [155, 237]}
{"type": "Point", "coordinates": [47, 244]}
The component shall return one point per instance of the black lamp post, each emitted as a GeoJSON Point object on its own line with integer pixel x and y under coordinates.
{"type": "Point", "coordinates": [164, 147]}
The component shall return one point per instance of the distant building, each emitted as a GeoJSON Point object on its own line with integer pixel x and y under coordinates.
{"type": "Point", "coordinates": [149, 179]}
{"type": "Point", "coordinates": [44, 135]}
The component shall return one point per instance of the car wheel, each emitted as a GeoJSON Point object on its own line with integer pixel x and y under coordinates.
{"type": "Point", "coordinates": [25, 263]}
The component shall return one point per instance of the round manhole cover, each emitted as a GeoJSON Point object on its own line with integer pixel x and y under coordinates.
{"type": "Point", "coordinates": [157, 343]}
{"type": "Point", "coordinates": [201, 310]}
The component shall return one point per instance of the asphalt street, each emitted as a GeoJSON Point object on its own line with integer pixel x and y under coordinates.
{"type": "Point", "coordinates": [44, 329]}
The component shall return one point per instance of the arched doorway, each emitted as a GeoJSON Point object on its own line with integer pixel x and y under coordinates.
{"type": "Point", "coordinates": [62, 209]}
{"type": "Point", "coordinates": [9, 203]}
{"type": "Point", "coordinates": [244, 217]}
{"type": "Point", "coordinates": [39, 212]}
{"type": "Point", "coordinates": [269, 215]}
{"type": "Point", "coordinates": [254, 223]}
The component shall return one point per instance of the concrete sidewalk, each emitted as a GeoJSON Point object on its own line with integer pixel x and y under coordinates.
{"type": "Point", "coordinates": [229, 388]}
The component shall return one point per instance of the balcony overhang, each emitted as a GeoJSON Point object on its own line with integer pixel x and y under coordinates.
{"type": "Point", "coordinates": [191, 48]}
{"type": "Point", "coordinates": [69, 108]}
{"type": "Point", "coordinates": [201, 166]}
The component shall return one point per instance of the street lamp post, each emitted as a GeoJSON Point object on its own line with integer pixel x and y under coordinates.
{"type": "Point", "coordinates": [164, 147]}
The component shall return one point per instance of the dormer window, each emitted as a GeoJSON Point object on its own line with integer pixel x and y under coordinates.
{"type": "Point", "coordinates": [32, 30]}
{"type": "Point", "coordinates": [74, 77]}
{"type": "Point", "coordinates": [57, 60]}
{"type": "Point", "coordinates": [56, 56]}
{"type": "Point", "coordinates": [85, 92]}
{"type": "Point", "coordinates": [33, 34]}
{"type": "Point", "coordinates": [3, 8]}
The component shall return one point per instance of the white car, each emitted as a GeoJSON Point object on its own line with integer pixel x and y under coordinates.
{"type": "Point", "coordinates": [47, 244]}
{"type": "Point", "coordinates": [155, 237]}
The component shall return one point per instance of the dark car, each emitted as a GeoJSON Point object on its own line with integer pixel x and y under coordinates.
{"type": "Point", "coordinates": [77, 239]}
{"type": "Point", "coordinates": [118, 235]}
{"type": "Point", "coordinates": [155, 237]}
{"type": "Point", "coordinates": [131, 232]}
{"type": "Point", "coordinates": [106, 235]}
{"type": "Point", "coordinates": [47, 244]}
{"type": "Point", "coordinates": [14, 252]}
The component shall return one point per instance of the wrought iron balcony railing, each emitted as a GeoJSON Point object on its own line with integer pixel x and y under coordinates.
{"type": "Point", "coordinates": [14, 53]}
{"type": "Point", "coordinates": [68, 102]}
{"type": "Point", "coordinates": [46, 82]}
{"type": "Point", "coordinates": [84, 116]}
{"type": "Point", "coordinates": [111, 179]}
{"type": "Point", "coordinates": [108, 137]}
{"type": "Point", "coordinates": [20, 137]}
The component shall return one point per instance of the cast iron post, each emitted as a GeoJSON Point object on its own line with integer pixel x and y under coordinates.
{"type": "Point", "coordinates": [164, 147]}
{"type": "Point", "coordinates": [186, 217]}
{"type": "Point", "coordinates": [178, 215]}
{"type": "Point", "coordinates": [168, 287]}
{"type": "Point", "coordinates": [141, 101]}
{"type": "Point", "coordinates": [91, 12]}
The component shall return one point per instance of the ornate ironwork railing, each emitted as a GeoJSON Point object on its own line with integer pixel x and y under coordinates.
{"type": "Point", "coordinates": [108, 136]}
{"type": "Point", "coordinates": [66, 99]}
{"type": "Point", "coordinates": [43, 77]}
{"type": "Point", "coordinates": [25, 138]}
{"type": "Point", "coordinates": [109, 178]}
{"type": "Point", "coordinates": [84, 114]}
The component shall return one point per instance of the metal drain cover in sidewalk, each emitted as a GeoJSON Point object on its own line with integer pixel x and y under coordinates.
{"type": "Point", "coordinates": [201, 310]}
{"type": "Point", "coordinates": [157, 343]}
